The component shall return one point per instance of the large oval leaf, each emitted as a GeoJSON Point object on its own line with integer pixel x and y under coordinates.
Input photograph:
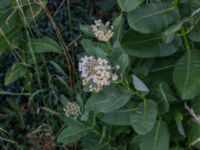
{"type": "Point", "coordinates": [120, 117]}
{"type": "Point", "coordinates": [195, 33]}
{"type": "Point", "coordinates": [87, 30]}
{"type": "Point", "coordinates": [118, 28]}
{"type": "Point", "coordinates": [73, 132]}
{"type": "Point", "coordinates": [186, 75]}
{"type": "Point", "coordinates": [156, 139]}
{"type": "Point", "coordinates": [148, 45]}
{"type": "Point", "coordinates": [108, 100]}
{"type": "Point", "coordinates": [95, 48]}
{"type": "Point", "coordinates": [128, 5]}
{"type": "Point", "coordinates": [152, 17]}
{"type": "Point", "coordinates": [14, 73]}
{"type": "Point", "coordinates": [92, 142]}
{"type": "Point", "coordinates": [123, 62]}
{"type": "Point", "coordinates": [144, 118]}
{"type": "Point", "coordinates": [44, 45]}
{"type": "Point", "coordinates": [163, 95]}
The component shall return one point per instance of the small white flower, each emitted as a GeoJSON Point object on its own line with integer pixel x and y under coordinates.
{"type": "Point", "coordinates": [114, 77]}
{"type": "Point", "coordinates": [72, 109]}
{"type": "Point", "coordinates": [103, 32]}
{"type": "Point", "coordinates": [96, 73]}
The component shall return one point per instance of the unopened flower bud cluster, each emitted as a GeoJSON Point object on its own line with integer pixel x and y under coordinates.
{"type": "Point", "coordinates": [96, 73]}
{"type": "Point", "coordinates": [103, 32]}
{"type": "Point", "coordinates": [72, 109]}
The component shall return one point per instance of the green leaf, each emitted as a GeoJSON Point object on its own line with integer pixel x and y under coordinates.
{"type": "Point", "coordinates": [186, 75]}
{"type": "Point", "coordinates": [91, 142]}
{"type": "Point", "coordinates": [87, 30]}
{"type": "Point", "coordinates": [196, 105]}
{"type": "Point", "coordinates": [64, 100]}
{"type": "Point", "coordinates": [129, 5]}
{"type": "Point", "coordinates": [152, 17]}
{"type": "Point", "coordinates": [9, 39]}
{"type": "Point", "coordinates": [170, 33]}
{"type": "Point", "coordinates": [110, 99]}
{"type": "Point", "coordinates": [58, 68]}
{"type": "Point", "coordinates": [5, 4]}
{"type": "Point", "coordinates": [7, 25]}
{"type": "Point", "coordinates": [118, 28]}
{"type": "Point", "coordinates": [44, 45]}
{"type": "Point", "coordinates": [163, 95]}
{"type": "Point", "coordinates": [178, 118]}
{"type": "Point", "coordinates": [3, 46]}
{"type": "Point", "coordinates": [14, 73]}
{"type": "Point", "coordinates": [195, 33]}
{"type": "Point", "coordinates": [120, 117]}
{"type": "Point", "coordinates": [94, 48]}
{"type": "Point", "coordinates": [156, 139]}
{"type": "Point", "coordinates": [194, 128]}
{"type": "Point", "coordinates": [139, 85]}
{"type": "Point", "coordinates": [194, 134]}
{"type": "Point", "coordinates": [144, 118]}
{"type": "Point", "coordinates": [32, 11]}
{"type": "Point", "coordinates": [148, 45]}
{"type": "Point", "coordinates": [73, 132]}
{"type": "Point", "coordinates": [123, 62]}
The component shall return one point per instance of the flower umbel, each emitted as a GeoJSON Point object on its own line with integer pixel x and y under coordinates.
{"type": "Point", "coordinates": [96, 73]}
{"type": "Point", "coordinates": [72, 109]}
{"type": "Point", "coordinates": [103, 32]}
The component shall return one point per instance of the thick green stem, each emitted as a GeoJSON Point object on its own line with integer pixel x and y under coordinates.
{"type": "Point", "coordinates": [134, 92]}
{"type": "Point", "coordinates": [183, 31]}
{"type": "Point", "coordinates": [185, 39]}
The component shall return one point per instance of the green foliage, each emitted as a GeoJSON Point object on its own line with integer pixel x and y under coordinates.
{"type": "Point", "coordinates": [72, 134]}
{"type": "Point", "coordinates": [129, 5]}
{"type": "Point", "coordinates": [144, 118]}
{"type": "Point", "coordinates": [150, 102]}
{"type": "Point", "coordinates": [148, 45]}
{"type": "Point", "coordinates": [156, 139]}
{"type": "Point", "coordinates": [186, 75]}
{"type": "Point", "coordinates": [145, 18]}
{"type": "Point", "coordinates": [108, 100]}
{"type": "Point", "coordinates": [44, 45]}
{"type": "Point", "coordinates": [15, 72]}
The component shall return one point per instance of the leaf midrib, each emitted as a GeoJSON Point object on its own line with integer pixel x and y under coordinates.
{"type": "Point", "coordinates": [117, 100]}
{"type": "Point", "coordinates": [187, 73]}
{"type": "Point", "coordinates": [153, 14]}
{"type": "Point", "coordinates": [156, 136]}
{"type": "Point", "coordinates": [74, 133]}
{"type": "Point", "coordinates": [143, 41]}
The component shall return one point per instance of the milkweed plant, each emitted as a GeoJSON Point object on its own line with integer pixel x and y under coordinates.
{"type": "Point", "coordinates": [138, 84]}
{"type": "Point", "coordinates": [142, 72]}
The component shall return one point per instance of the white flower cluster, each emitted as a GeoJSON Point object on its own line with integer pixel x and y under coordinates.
{"type": "Point", "coordinates": [72, 109]}
{"type": "Point", "coordinates": [96, 73]}
{"type": "Point", "coordinates": [103, 32]}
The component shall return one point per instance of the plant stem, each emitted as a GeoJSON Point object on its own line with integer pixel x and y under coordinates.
{"type": "Point", "coordinates": [134, 92]}
{"type": "Point", "coordinates": [185, 39]}
{"type": "Point", "coordinates": [183, 31]}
